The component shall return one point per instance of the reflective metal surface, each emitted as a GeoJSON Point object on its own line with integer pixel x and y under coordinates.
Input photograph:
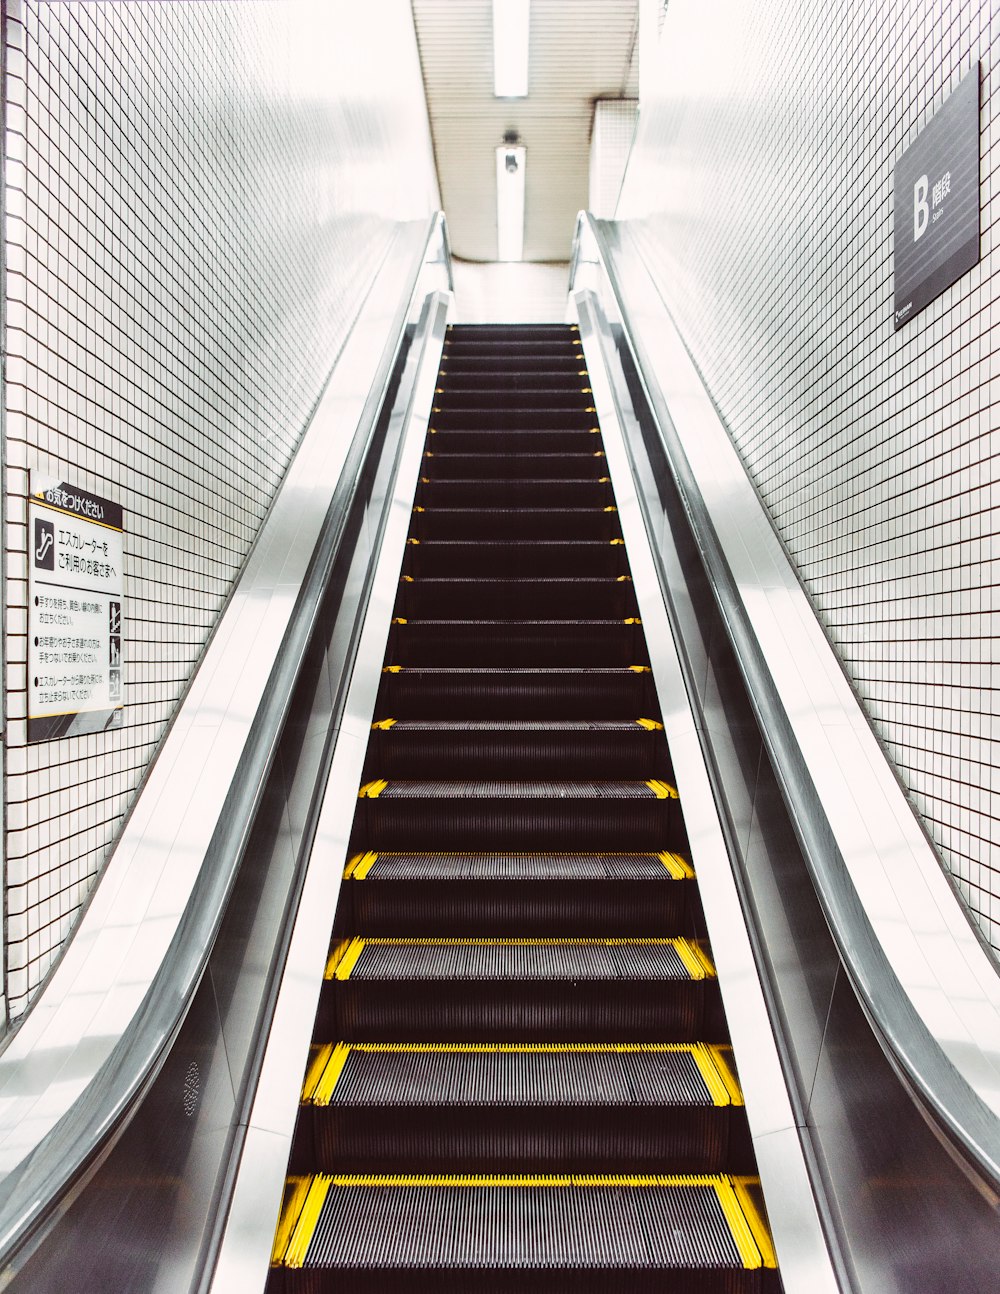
{"type": "Point", "coordinates": [265, 700]}
{"type": "Point", "coordinates": [895, 1193]}
{"type": "Point", "coordinates": [246, 1247]}
{"type": "Point", "coordinates": [802, 1249]}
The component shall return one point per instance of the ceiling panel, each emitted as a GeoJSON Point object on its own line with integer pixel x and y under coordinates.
{"type": "Point", "coordinates": [580, 50]}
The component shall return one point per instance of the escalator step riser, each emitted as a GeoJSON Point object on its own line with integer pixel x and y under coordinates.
{"type": "Point", "coordinates": [520, 417]}
{"type": "Point", "coordinates": [634, 755]}
{"type": "Point", "coordinates": [560, 396]}
{"type": "Point", "coordinates": [476, 467]}
{"type": "Point", "coordinates": [563, 694]}
{"type": "Point", "coordinates": [436, 559]}
{"type": "Point", "coordinates": [448, 1010]}
{"type": "Point", "coordinates": [489, 643]}
{"type": "Point", "coordinates": [516, 523]}
{"type": "Point", "coordinates": [538, 825]}
{"type": "Point", "coordinates": [539, 440]}
{"type": "Point", "coordinates": [514, 1139]}
{"type": "Point", "coordinates": [528, 599]}
{"type": "Point", "coordinates": [575, 1280]}
{"type": "Point", "coordinates": [499, 369]}
{"type": "Point", "coordinates": [514, 908]}
{"type": "Point", "coordinates": [512, 494]}
{"type": "Point", "coordinates": [565, 374]}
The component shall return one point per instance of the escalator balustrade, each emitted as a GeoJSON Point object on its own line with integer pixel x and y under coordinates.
{"type": "Point", "coordinates": [520, 1077]}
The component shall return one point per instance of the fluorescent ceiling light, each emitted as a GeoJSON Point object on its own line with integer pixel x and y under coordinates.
{"type": "Point", "coordinates": [510, 48]}
{"type": "Point", "coordinates": [510, 202]}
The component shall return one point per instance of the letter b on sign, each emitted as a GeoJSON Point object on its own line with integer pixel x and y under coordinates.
{"type": "Point", "coordinates": [921, 212]}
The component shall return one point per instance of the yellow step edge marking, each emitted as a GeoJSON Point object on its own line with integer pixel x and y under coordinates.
{"type": "Point", "coordinates": [319, 1059]}
{"type": "Point", "coordinates": [323, 1093]}
{"type": "Point", "coordinates": [633, 620]}
{"type": "Point", "coordinates": [512, 1048]}
{"type": "Point", "coordinates": [613, 542]}
{"type": "Point", "coordinates": [590, 409]}
{"type": "Point", "coordinates": [701, 964]}
{"type": "Point", "coordinates": [695, 965]}
{"type": "Point", "coordinates": [435, 408]}
{"type": "Point", "coordinates": [722, 1057]}
{"type": "Point", "coordinates": [640, 669]}
{"type": "Point", "coordinates": [397, 669]}
{"type": "Point", "coordinates": [345, 957]}
{"type": "Point", "coordinates": [624, 579]}
{"type": "Point", "coordinates": [599, 453]}
{"type": "Point", "coordinates": [333, 961]}
{"type": "Point", "coordinates": [710, 1075]}
{"type": "Point", "coordinates": [704, 958]}
{"type": "Point", "coordinates": [585, 390]}
{"type": "Point", "coordinates": [662, 790]}
{"type": "Point", "coordinates": [390, 1179]}
{"type": "Point", "coordinates": [383, 725]}
{"type": "Point", "coordinates": [365, 864]}
{"type": "Point", "coordinates": [413, 541]}
{"type": "Point", "coordinates": [419, 509]}
{"type": "Point", "coordinates": [428, 453]}
{"type": "Point", "coordinates": [650, 725]}
{"type": "Point", "coordinates": [679, 868]}
{"type": "Point", "coordinates": [351, 864]}
{"type": "Point", "coordinates": [372, 790]}
{"type": "Point", "coordinates": [761, 1232]}
{"type": "Point", "coordinates": [750, 1255]}
{"type": "Point", "coordinates": [425, 480]}
{"type": "Point", "coordinates": [604, 480]}
{"type": "Point", "coordinates": [296, 1190]}
{"type": "Point", "coordinates": [400, 620]}
{"type": "Point", "coordinates": [295, 1255]}
{"type": "Point", "coordinates": [407, 579]}
{"type": "Point", "coordinates": [611, 508]}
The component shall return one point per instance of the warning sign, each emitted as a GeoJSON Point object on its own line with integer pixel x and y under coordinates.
{"type": "Point", "coordinates": [74, 611]}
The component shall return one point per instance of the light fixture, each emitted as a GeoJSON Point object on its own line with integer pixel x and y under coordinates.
{"type": "Point", "coordinates": [510, 200]}
{"type": "Point", "coordinates": [510, 48]}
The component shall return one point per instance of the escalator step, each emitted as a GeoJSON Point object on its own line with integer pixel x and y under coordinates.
{"type": "Point", "coordinates": [468, 375]}
{"type": "Point", "coordinates": [509, 895]}
{"type": "Point", "coordinates": [557, 596]}
{"type": "Point", "coordinates": [526, 1107]}
{"type": "Point", "coordinates": [485, 693]}
{"type": "Point", "coordinates": [616, 1233]}
{"type": "Point", "coordinates": [516, 642]}
{"type": "Point", "coordinates": [490, 462]}
{"type": "Point", "coordinates": [482, 362]}
{"type": "Point", "coordinates": [577, 417]}
{"type": "Point", "coordinates": [516, 523]}
{"type": "Point", "coordinates": [505, 815]}
{"type": "Point", "coordinates": [557, 492]}
{"type": "Point", "coordinates": [534, 440]}
{"type": "Point", "coordinates": [518, 990]}
{"type": "Point", "coordinates": [524, 748]}
{"type": "Point", "coordinates": [491, 558]}
{"type": "Point", "coordinates": [560, 395]}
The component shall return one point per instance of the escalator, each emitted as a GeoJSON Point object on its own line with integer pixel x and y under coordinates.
{"type": "Point", "coordinates": [520, 1076]}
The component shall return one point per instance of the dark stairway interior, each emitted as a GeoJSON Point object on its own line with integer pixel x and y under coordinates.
{"type": "Point", "coordinates": [520, 1076]}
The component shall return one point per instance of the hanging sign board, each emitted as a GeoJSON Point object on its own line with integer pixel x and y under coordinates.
{"type": "Point", "coordinates": [935, 204]}
{"type": "Point", "coordinates": [74, 611]}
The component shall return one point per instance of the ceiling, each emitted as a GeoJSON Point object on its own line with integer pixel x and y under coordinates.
{"type": "Point", "coordinates": [580, 51]}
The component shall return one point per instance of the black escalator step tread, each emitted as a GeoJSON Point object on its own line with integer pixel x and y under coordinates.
{"type": "Point", "coordinates": [467, 375]}
{"type": "Point", "coordinates": [523, 748]}
{"type": "Point", "coordinates": [477, 398]}
{"type": "Point", "coordinates": [559, 596]}
{"type": "Point", "coordinates": [515, 693]}
{"type": "Point", "coordinates": [558, 1234]}
{"type": "Point", "coordinates": [534, 440]}
{"type": "Point", "coordinates": [508, 333]}
{"type": "Point", "coordinates": [517, 642]}
{"type": "Point", "coordinates": [516, 523]}
{"type": "Point", "coordinates": [511, 895]}
{"type": "Point", "coordinates": [649, 866]}
{"type": "Point", "coordinates": [520, 1074]}
{"type": "Point", "coordinates": [487, 558]}
{"type": "Point", "coordinates": [515, 416]}
{"type": "Point", "coordinates": [530, 960]}
{"type": "Point", "coordinates": [529, 1107]}
{"type": "Point", "coordinates": [481, 361]}
{"type": "Point", "coordinates": [559, 492]}
{"type": "Point", "coordinates": [513, 466]}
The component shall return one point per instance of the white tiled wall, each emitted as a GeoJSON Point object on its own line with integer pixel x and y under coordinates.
{"type": "Point", "coordinates": [761, 185]}
{"type": "Point", "coordinates": [610, 141]}
{"type": "Point", "coordinates": [197, 193]}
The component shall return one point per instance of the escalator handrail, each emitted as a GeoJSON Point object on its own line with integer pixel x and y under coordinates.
{"type": "Point", "coordinates": [98, 1031]}
{"type": "Point", "coordinates": [922, 973]}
